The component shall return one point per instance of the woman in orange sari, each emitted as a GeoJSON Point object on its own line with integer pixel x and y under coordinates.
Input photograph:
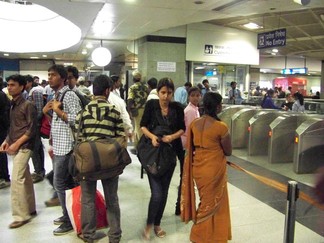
{"type": "Point", "coordinates": [208, 145]}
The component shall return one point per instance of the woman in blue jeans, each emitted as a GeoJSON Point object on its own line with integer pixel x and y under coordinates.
{"type": "Point", "coordinates": [172, 113]}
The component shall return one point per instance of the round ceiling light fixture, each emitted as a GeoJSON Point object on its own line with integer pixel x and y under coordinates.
{"type": "Point", "coordinates": [101, 56]}
{"type": "Point", "coordinates": [19, 22]}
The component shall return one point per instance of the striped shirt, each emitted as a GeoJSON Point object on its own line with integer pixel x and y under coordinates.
{"type": "Point", "coordinates": [99, 120]}
{"type": "Point", "coordinates": [60, 130]}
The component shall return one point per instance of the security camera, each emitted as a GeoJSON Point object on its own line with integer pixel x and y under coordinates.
{"type": "Point", "coordinates": [302, 2]}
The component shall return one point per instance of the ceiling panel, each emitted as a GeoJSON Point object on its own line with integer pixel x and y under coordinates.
{"type": "Point", "coordinates": [134, 20]}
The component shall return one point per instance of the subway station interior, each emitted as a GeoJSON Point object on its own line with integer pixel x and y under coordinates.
{"type": "Point", "coordinates": [191, 40]}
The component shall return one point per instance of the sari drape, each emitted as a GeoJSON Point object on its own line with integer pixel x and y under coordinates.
{"type": "Point", "coordinates": [205, 166]}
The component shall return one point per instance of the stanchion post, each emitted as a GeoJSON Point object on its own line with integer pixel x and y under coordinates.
{"type": "Point", "coordinates": [292, 196]}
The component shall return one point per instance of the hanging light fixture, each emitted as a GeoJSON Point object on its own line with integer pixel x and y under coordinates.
{"type": "Point", "coordinates": [21, 23]}
{"type": "Point", "coordinates": [101, 56]}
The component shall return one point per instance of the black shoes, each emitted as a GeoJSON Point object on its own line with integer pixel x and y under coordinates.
{"type": "Point", "coordinates": [37, 177]}
{"type": "Point", "coordinates": [85, 239]}
{"type": "Point", "coordinates": [63, 229]}
{"type": "Point", "coordinates": [59, 220]}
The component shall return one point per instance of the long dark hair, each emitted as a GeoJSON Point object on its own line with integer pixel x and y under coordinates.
{"type": "Point", "coordinates": [300, 97]}
{"type": "Point", "coordinates": [211, 100]}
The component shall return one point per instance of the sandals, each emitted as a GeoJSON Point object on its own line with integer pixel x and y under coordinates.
{"type": "Point", "coordinates": [160, 233]}
{"type": "Point", "coordinates": [145, 235]}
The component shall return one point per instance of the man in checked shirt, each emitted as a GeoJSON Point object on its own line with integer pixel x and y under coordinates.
{"type": "Point", "coordinates": [64, 114]}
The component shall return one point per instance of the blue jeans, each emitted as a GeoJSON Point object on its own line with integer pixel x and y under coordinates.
{"type": "Point", "coordinates": [88, 212]}
{"type": "Point", "coordinates": [159, 195]}
{"type": "Point", "coordinates": [62, 180]}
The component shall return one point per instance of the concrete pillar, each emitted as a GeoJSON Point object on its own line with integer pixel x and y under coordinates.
{"type": "Point", "coordinates": [153, 50]}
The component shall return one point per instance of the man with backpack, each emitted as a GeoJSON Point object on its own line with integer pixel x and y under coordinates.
{"type": "Point", "coordinates": [65, 110]}
{"type": "Point", "coordinates": [72, 79]}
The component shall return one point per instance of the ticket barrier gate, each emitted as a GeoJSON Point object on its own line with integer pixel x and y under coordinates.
{"type": "Point", "coordinates": [281, 137]}
{"type": "Point", "coordinates": [309, 146]}
{"type": "Point", "coordinates": [258, 131]}
{"type": "Point", "coordinates": [239, 127]}
{"type": "Point", "coordinates": [228, 112]}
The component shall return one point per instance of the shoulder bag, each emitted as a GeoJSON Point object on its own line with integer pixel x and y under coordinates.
{"type": "Point", "coordinates": [156, 160]}
{"type": "Point", "coordinates": [99, 159]}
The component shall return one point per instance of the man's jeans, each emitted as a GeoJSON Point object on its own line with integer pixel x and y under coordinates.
{"type": "Point", "coordinates": [88, 212]}
{"type": "Point", "coordinates": [62, 180]}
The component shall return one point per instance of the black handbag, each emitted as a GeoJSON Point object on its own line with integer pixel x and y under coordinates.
{"type": "Point", "coordinates": [156, 160]}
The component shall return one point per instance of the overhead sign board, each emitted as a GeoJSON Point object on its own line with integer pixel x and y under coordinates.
{"type": "Point", "coordinates": [272, 39]}
{"type": "Point", "coordinates": [294, 71]}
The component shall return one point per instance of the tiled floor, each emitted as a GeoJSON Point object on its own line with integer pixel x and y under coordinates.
{"type": "Point", "coordinates": [256, 211]}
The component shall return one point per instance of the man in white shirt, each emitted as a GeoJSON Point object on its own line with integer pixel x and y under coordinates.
{"type": "Point", "coordinates": [121, 107]}
{"type": "Point", "coordinates": [152, 84]}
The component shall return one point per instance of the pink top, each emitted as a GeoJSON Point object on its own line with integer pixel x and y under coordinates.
{"type": "Point", "coordinates": [191, 112]}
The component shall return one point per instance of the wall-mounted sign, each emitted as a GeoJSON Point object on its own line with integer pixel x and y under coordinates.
{"type": "Point", "coordinates": [294, 71]}
{"type": "Point", "coordinates": [272, 39]}
{"type": "Point", "coordinates": [166, 67]}
{"type": "Point", "coordinates": [210, 43]}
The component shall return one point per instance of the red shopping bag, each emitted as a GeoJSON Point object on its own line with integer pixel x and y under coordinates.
{"type": "Point", "coordinates": [73, 205]}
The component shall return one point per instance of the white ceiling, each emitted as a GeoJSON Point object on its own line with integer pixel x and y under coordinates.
{"type": "Point", "coordinates": [305, 28]}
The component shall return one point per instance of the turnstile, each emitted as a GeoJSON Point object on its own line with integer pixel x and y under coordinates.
{"type": "Point", "coordinates": [281, 137]}
{"type": "Point", "coordinates": [239, 127]}
{"type": "Point", "coordinates": [309, 146]}
{"type": "Point", "coordinates": [228, 112]}
{"type": "Point", "coordinates": [258, 131]}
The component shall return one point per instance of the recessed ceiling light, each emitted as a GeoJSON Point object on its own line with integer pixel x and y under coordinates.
{"type": "Point", "coordinates": [34, 57]}
{"type": "Point", "coordinates": [252, 26]}
{"type": "Point", "coordinates": [199, 67]}
{"type": "Point", "coordinates": [89, 45]}
{"type": "Point", "coordinates": [275, 50]}
{"type": "Point", "coordinates": [84, 52]}
{"type": "Point", "coordinates": [6, 54]}
{"type": "Point", "coordinates": [44, 55]}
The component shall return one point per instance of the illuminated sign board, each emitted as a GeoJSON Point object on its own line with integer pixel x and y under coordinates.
{"type": "Point", "coordinates": [294, 71]}
{"type": "Point", "coordinates": [271, 39]}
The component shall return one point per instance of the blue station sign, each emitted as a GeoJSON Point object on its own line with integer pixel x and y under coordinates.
{"type": "Point", "coordinates": [272, 39]}
{"type": "Point", "coordinates": [294, 71]}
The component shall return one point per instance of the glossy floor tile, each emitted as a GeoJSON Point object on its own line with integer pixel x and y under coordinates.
{"type": "Point", "coordinates": [253, 218]}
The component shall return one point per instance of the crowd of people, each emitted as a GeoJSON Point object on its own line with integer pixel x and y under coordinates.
{"type": "Point", "coordinates": [200, 140]}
